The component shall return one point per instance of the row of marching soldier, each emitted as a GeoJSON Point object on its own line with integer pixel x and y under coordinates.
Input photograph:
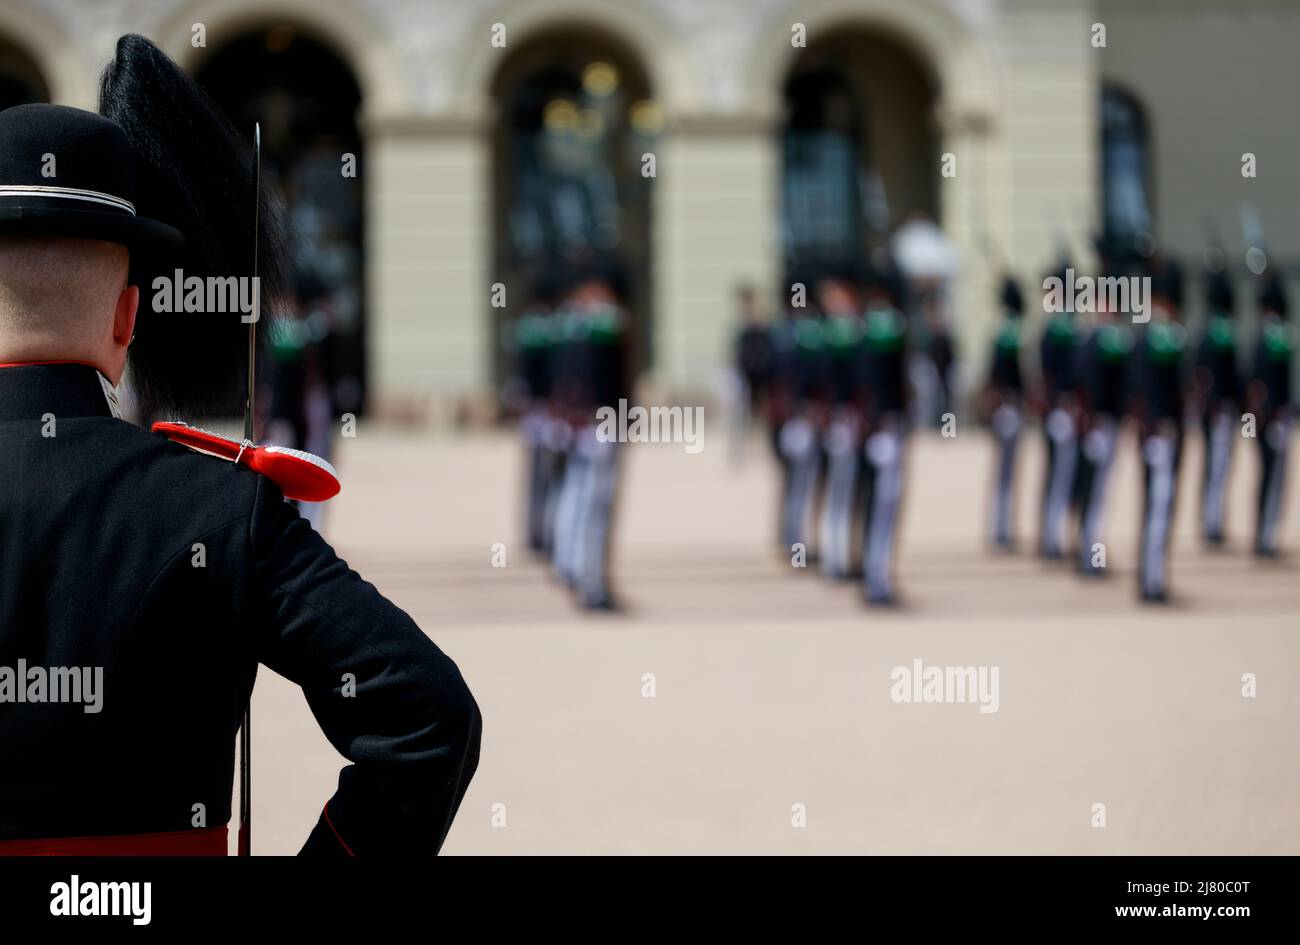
{"type": "Point", "coordinates": [840, 376]}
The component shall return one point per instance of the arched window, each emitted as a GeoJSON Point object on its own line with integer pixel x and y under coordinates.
{"type": "Point", "coordinates": [306, 99]}
{"type": "Point", "coordinates": [822, 149]}
{"type": "Point", "coordinates": [575, 114]}
{"type": "Point", "coordinates": [1125, 181]}
{"type": "Point", "coordinates": [858, 144]}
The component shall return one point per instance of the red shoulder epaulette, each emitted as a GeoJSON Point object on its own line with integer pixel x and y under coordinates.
{"type": "Point", "coordinates": [302, 476]}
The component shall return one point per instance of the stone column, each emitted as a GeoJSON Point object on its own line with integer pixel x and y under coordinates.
{"type": "Point", "coordinates": [976, 220]}
{"type": "Point", "coordinates": [715, 226]}
{"type": "Point", "coordinates": [428, 218]}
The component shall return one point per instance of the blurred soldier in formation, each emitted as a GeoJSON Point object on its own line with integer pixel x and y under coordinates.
{"type": "Point", "coordinates": [934, 372]}
{"type": "Point", "coordinates": [753, 366]}
{"type": "Point", "coordinates": [839, 386]}
{"type": "Point", "coordinates": [799, 437]}
{"type": "Point", "coordinates": [301, 405]}
{"type": "Point", "coordinates": [1004, 408]}
{"type": "Point", "coordinates": [926, 262]}
{"type": "Point", "coordinates": [842, 436]}
{"type": "Point", "coordinates": [885, 421]}
{"type": "Point", "coordinates": [1158, 402]}
{"type": "Point", "coordinates": [534, 342]}
{"type": "Point", "coordinates": [781, 403]}
{"type": "Point", "coordinates": [1103, 399]}
{"type": "Point", "coordinates": [1217, 388]}
{"type": "Point", "coordinates": [1058, 357]}
{"type": "Point", "coordinates": [1270, 400]}
{"type": "Point", "coordinates": [590, 373]}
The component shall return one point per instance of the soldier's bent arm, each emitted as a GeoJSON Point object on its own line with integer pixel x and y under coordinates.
{"type": "Point", "coordinates": [386, 697]}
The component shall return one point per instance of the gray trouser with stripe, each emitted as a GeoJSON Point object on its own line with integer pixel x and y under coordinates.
{"type": "Point", "coordinates": [583, 515]}
{"type": "Point", "coordinates": [842, 471]}
{"type": "Point", "coordinates": [596, 509]}
{"type": "Point", "coordinates": [1160, 455]}
{"type": "Point", "coordinates": [1274, 446]}
{"type": "Point", "coordinates": [799, 446]}
{"type": "Point", "coordinates": [568, 507]}
{"type": "Point", "coordinates": [556, 439]}
{"type": "Point", "coordinates": [1220, 429]}
{"type": "Point", "coordinates": [1098, 447]}
{"type": "Point", "coordinates": [1062, 456]}
{"type": "Point", "coordinates": [540, 464]}
{"type": "Point", "coordinates": [884, 488]}
{"type": "Point", "coordinates": [1006, 429]}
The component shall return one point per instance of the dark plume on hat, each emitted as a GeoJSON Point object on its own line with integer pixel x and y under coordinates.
{"type": "Point", "coordinates": [1218, 292]}
{"type": "Point", "coordinates": [605, 268]}
{"type": "Point", "coordinates": [195, 172]}
{"type": "Point", "coordinates": [1167, 281]}
{"type": "Point", "coordinates": [1013, 301]}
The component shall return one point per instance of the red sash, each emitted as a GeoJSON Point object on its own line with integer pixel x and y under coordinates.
{"type": "Point", "coordinates": [208, 842]}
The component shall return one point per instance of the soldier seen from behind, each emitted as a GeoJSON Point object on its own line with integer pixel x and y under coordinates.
{"type": "Point", "coordinates": [800, 435]}
{"type": "Point", "coordinates": [1058, 407]}
{"type": "Point", "coordinates": [1217, 388]}
{"type": "Point", "coordinates": [753, 364]}
{"type": "Point", "coordinates": [591, 373]}
{"type": "Point", "coordinates": [1004, 405]}
{"type": "Point", "coordinates": [1270, 399]}
{"type": "Point", "coordinates": [1158, 385]}
{"type": "Point", "coordinates": [842, 435]}
{"type": "Point", "coordinates": [176, 572]}
{"type": "Point", "coordinates": [1102, 385]}
{"type": "Point", "coordinates": [885, 415]}
{"type": "Point", "coordinates": [533, 342]}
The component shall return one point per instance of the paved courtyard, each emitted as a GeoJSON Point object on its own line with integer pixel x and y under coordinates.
{"type": "Point", "coordinates": [772, 690]}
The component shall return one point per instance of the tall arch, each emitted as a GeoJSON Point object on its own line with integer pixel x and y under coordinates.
{"type": "Point", "coordinates": [952, 45]}
{"type": "Point", "coordinates": [303, 93]}
{"type": "Point", "coordinates": [935, 32]}
{"type": "Point", "coordinates": [574, 111]}
{"type": "Point", "coordinates": [859, 145]}
{"type": "Point", "coordinates": [346, 27]}
{"type": "Point", "coordinates": [638, 27]}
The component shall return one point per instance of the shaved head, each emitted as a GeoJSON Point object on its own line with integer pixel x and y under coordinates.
{"type": "Point", "coordinates": [63, 298]}
{"type": "Point", "coordinates": [55, 285]}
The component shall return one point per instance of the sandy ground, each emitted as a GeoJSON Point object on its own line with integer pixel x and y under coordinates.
{"type": "Point", "coordinates": [772, 688]}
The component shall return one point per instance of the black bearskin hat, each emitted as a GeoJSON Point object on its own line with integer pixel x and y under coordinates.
{"type": "Point", "coordinates": [605, 268]}
{"type": "Point", "coordinates": [1167, 282]}
{"type": "Point", "coordinates": [549, 284]}
{"type": "Point", "coordinates": [1012, 301]}
{"type": "Point", "coordinates": [883, 277]}
{"type": "Point", "coordinates": [1272, 297]}
{"type": "Point", "coordinates": [196, 173]}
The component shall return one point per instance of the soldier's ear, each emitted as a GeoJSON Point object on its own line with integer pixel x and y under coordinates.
{"type": "Point", "coordinates": [128, 303]}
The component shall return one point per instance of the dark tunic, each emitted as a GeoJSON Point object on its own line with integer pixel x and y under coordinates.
{"type": "Point", "coordinates": [1004, 365]}
{"type": "Point", "coordinates": [1103, 372]}
{"type": "Point", "coordinates": [1216, 358]}
{"type": "Point", "coordinates": [100, 528]}
{"type": "Point", "coordinates": [1274, 353]}
{"type": "Point", "coordinates": [1058, 357]}
{"type": "Point", "coordinates": [535, 349]}
{"type": "Point", "coordinates": [1157, 375]}
{"type": "Point", "coordinates": [885, 363]}
{"type": "Point", "coordinates": [754, 356]}
{"type": "Point", "coordinates": [843, 360]}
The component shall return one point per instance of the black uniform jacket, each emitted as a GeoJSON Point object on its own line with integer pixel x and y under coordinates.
{"type": "Point", "coordinates": [178, 573]}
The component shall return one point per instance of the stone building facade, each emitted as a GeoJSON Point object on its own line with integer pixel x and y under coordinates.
{"type": "Point", "coordinates": [1014, 96]}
